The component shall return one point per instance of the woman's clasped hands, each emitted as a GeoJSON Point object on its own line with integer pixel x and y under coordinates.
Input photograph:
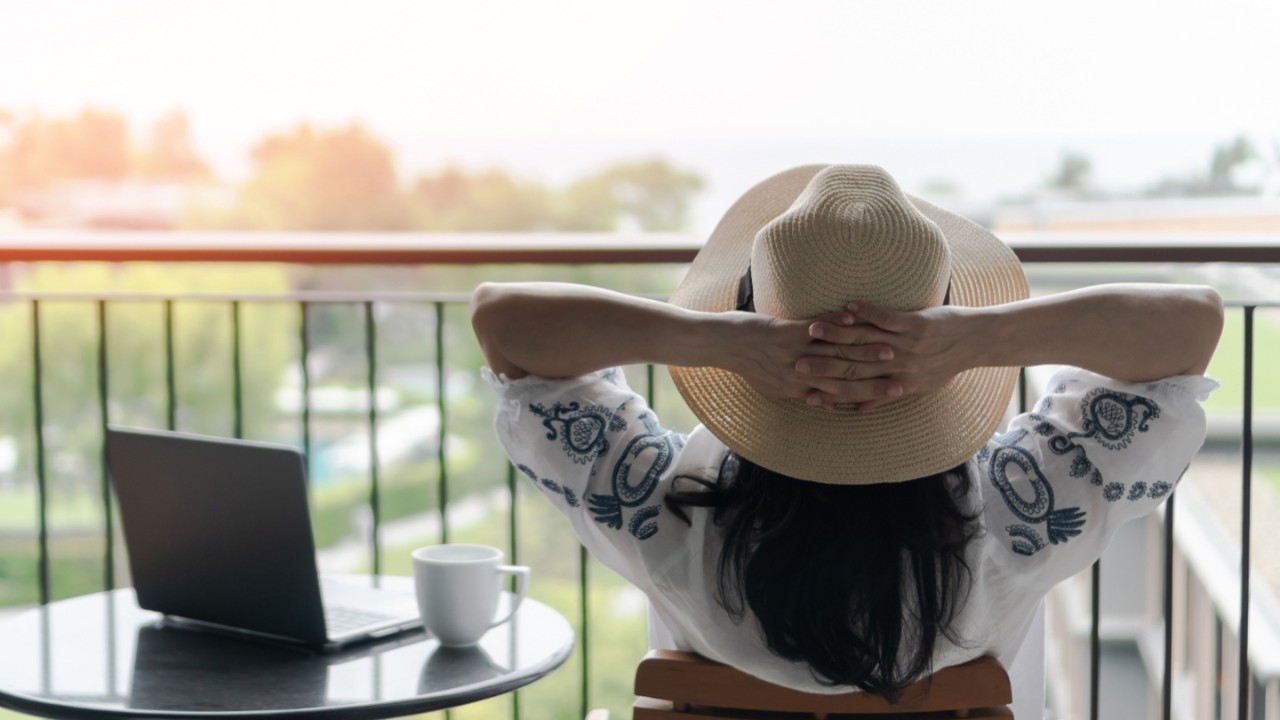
{"type": "Point", "coordinates": [865, 355]}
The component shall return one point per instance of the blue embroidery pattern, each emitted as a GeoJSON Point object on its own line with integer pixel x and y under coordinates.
{"type": "Point", "coordinates": [1112, 418]}
{"type": "Point", "coordinates": [1026, 541]}
{"type": "Point", "coordinates": [640, 524]}
{"type": "Point", "coordinates": [1046, 404]}
{"type": "Point", "coordinates": [1061, 524]}
{"type": "Point", "coordinates": [580, 429]}
{"type": "Point", "coordinates": [1081, 465]}
{"type": "Point", "coordinates": [629, 494]}
{"type": "Point", "coordinates": [634, 478]}
{"type": "Point", "coordinates": [606, 510]}
{"type": "Point", "coordinates": [570, 497]}
{"type": "Point", "coordinates": [584, 432]}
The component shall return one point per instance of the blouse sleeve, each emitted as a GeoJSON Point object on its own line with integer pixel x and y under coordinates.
{"type": "Point", "coordinates": [596, 450]}
{"type": "Point", "coordinates": [1093, 454]}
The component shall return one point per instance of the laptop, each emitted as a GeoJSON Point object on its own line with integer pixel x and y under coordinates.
{"type": "Point", "coordinates": [219, 535]}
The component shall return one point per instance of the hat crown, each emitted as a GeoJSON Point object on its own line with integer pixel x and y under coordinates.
{"type": "Point", "coordinates": [851, 234]}
{"type": "Point", "coordinates": [813, 238]}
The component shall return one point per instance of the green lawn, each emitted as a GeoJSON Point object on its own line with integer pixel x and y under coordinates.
{"type": "Point", "coordinates": [1228, 363]}
{"type": "Point", "coordinates": [18, 508]}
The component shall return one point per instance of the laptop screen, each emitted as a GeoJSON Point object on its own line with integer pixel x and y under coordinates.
{"type": "Point", "coordinates": [218, 530]}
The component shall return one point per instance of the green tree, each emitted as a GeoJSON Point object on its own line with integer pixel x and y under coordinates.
{"type": "Point", "coordinates": [309, 179]}
{"type": "Point", "coordinates": [1223, 178]}
{"type": "Point", "coordinates": [492, 200]}
{"type": "Point", "coordinates": [1227, 159]}
{"type": "Point", "coordinates": [93, 145]}
{"type": "Point", "coordinates": [651, 195]}
{"type": "Point", "coordinates": [6, 158]}
{"type": "Point", "coordinates": [170, 154]}
{"type": "Point", "coordinates": [1074, 175]}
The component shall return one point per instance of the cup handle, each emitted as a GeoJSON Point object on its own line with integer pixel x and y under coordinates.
{"type": "Point", "coordinates": [521, 575]}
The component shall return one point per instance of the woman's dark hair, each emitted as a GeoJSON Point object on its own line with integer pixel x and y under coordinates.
{"type": "Point", "coordinates": [858, 581]}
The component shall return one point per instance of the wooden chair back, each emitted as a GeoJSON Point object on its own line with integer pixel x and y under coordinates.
{"type": "Point", "coordinates": [674, 685]}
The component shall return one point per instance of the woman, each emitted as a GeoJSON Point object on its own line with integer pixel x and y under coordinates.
{"type": "Point", "coordinates": [843, 517]}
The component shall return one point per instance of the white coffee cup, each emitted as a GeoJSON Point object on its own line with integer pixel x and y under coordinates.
{"type": "Point", "coordinates": [458, 588]}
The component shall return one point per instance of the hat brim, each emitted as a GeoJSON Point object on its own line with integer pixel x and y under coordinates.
{"type": "Point", "coordinates": [904, 440]}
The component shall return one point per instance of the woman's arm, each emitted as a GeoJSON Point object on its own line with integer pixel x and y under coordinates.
{"type": "Point", "coordinates": [562, 330]}
{"type": "Point", "coordinates": [1132, 332]}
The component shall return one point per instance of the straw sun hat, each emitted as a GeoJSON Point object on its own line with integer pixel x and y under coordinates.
{"type": "Point", "coordinates": [815, 238]}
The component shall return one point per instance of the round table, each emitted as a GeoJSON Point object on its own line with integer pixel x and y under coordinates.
{"type": "Point", "coordinates": [101, 656]}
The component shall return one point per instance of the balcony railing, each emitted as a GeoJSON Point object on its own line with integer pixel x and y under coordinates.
{"type": "Point", "coordinates": [1037, 250]}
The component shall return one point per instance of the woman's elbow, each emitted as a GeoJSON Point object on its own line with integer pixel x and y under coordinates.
{"type": "Point", "coordinates": [1204, 321]}
{"type": "Point", "coordinates": [487, 302]}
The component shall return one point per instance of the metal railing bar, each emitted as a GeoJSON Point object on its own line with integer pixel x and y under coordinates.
{"type": "Point", "coordinates": [108, 560]}
{"type": "Point", "coordinates": [371, 366]}
{"type": "Point", "coordinates": [337, 298]}
{"type": "Point", "coordinates": [170, 376]}
{"type": "Point", "coordinates": [513, 529]}
{"type": "Point", "coordinates": [584, 620]}
{"type": "Point", "coordinates": [650, 390]}
{"type": "Point", "coordinates": [565, 248]}
{"type": "Point", "coordinates": [513, 547]}
{"type": "Point", "coordinates": [1022, 390]}
{"type": "Point", "coordinates": [42, 490]}
{"type": "Point", "coordinates": [1095, 645]}
{"type": "Point", "coordinates": [442, 498]}
{"type": "Point", "coordinates": [320, 248]}
{"type": "Point", "coordinates": [313, 297]}
{"type": "Point", "coordinates": [304, 352]}
{"type": "Point", "coordinates": [1246, 502]}
{"type": "Point", "coordinates": [1166, 682]}
{"type": "Point", "coordinates": [111, 645]}
{"type": "Point", "coordinates": [237, 395]}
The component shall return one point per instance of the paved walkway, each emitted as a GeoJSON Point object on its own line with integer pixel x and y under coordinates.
{"type": "Point", "coordinates": [353, 553]}
{"type": "Point", "coordinates": [1218, 481]}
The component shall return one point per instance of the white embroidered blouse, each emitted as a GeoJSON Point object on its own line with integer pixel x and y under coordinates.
{"type": "Point", "coordinates": [1093, 454]}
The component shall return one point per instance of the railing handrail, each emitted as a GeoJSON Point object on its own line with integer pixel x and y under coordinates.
{"type": "Point", "coordinates": [308, 296]}
{"type": "Point", "coordinates": [321, 297]}
{"type": "Point", "coordinates": [412, 248]}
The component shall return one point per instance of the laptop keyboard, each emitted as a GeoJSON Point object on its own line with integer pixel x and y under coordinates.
{"type": "Point", "coordinates": [340, 619]}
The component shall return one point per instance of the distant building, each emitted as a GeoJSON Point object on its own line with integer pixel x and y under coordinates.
{"type": "Point", "coordinates": [119, 205]}
{"type": "Point", "coordinates": [1226, 214]}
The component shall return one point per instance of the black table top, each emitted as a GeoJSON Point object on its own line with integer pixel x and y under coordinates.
{"type": "Point", "coordinates": [101, 656]}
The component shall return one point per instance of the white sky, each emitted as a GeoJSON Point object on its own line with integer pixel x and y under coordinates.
{"type": "Point", "coordinates": [984, 93]}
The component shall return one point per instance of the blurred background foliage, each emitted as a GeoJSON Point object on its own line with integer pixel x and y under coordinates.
{"type": "Point", "coordinates": [332, 179]}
